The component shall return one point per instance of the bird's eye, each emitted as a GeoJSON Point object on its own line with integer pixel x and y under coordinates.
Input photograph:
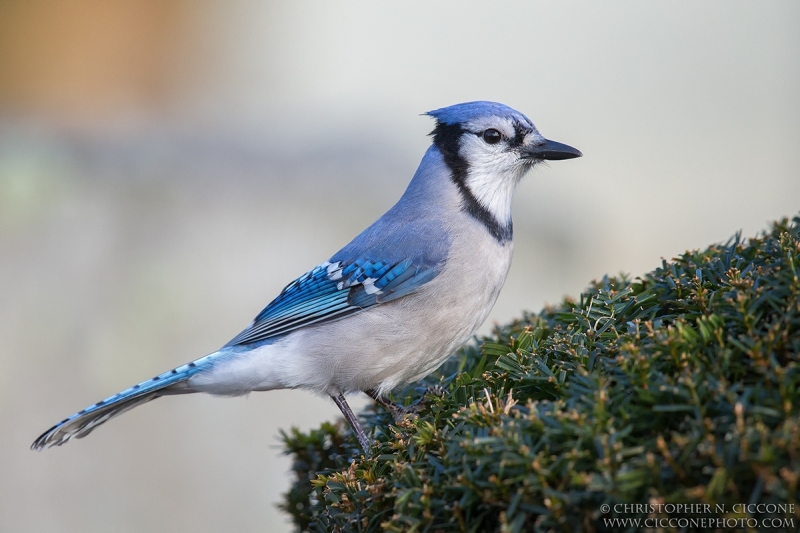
{"type": "Point", "coordinates": [492, 136]}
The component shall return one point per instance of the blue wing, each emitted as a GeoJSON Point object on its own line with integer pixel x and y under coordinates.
{"type": "Point", "coordinates": [334, 290]}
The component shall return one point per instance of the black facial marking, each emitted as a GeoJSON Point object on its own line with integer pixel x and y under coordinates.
{"type": "Point", "coordinates": [446, 138]}
{"type": "Point", "coordinates": [519, 135]}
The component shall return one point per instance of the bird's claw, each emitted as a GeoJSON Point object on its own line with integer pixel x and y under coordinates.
{"type": "Point", "coordinates": [401, 411]}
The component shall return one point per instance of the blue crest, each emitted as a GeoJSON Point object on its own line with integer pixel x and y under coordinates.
{"type": "Point", "coordinates": [464, 112]}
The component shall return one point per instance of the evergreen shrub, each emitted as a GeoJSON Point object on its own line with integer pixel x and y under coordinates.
{"type": "Point", "coordinates": [679, 387]}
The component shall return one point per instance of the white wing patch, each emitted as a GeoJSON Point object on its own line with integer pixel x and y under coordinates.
{"type": "Point", "coordinates": [370, 288]}
{"type": "Point", "coordinates": [334, 271]}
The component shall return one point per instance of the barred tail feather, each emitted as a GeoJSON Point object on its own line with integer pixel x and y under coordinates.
{"type": "Point", "coordinates": [84, 422]}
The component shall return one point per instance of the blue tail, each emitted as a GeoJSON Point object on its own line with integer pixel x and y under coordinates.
{"type": "Point", "coordinates": [82, 423]}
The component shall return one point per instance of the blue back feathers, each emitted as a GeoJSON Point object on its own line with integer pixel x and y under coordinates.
{"type": "Point", "coordinates": [396, 255]}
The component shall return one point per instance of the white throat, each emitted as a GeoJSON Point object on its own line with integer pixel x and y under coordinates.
{"type": "Point", "coordinates": [493, 185]}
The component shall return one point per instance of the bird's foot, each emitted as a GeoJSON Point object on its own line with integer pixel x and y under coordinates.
{"type": "Point", "coordinates": [397, 410]}
{"type": "Point", "coordinates": [433, 390]}
{"type": "Point", "coordinates": [401, 411]}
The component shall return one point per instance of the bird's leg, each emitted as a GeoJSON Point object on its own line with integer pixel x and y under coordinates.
{"type": "Point", "coordinates": [353, 421]}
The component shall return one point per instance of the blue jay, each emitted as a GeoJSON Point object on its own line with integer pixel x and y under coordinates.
{"type": "Point", "coordinates": [392, 305]}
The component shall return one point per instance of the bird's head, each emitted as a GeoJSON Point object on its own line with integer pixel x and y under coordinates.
{"type": "Point", "coordinates": [489, 147]}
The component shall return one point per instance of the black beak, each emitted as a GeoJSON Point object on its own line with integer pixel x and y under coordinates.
{"type": "Point", "coordinates": [550, 150]}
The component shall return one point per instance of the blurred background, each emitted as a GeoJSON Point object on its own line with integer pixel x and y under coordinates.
{"type": "Point", "coordinates": [166, 167]}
